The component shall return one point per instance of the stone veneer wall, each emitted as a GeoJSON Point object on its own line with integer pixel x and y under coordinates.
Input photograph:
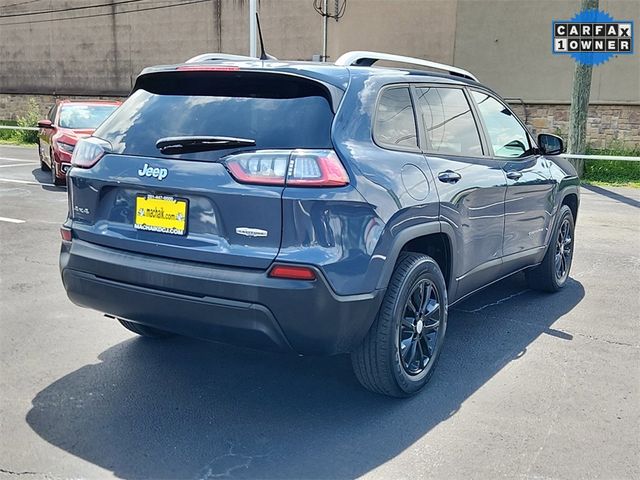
{"type": "Point", "coordinates": [606, 124]}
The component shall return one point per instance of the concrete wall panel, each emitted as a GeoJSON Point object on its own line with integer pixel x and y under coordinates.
{"type": "Point", "coordinates": [507, 44]}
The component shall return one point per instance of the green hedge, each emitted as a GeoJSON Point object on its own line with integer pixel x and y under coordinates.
{"type": "Point", "coordinates": [613, 171]}
{"type": "Point", "coordinates": [29, 119]}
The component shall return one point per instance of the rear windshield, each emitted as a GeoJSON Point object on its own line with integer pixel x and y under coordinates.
{"type": "Point", "coordinates": [274, 111]}
{"type": "Point", "coordinates": [84, 116]}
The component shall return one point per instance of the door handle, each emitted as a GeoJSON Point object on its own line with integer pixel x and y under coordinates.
{"type": "Point", "coordinates": [514, 175]}
{"type": "Point", "coordinates": [449, 176]}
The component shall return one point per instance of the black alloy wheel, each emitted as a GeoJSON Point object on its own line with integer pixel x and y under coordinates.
{"type": "Point", "coordinates": [419, 328]}
{"type": "Point", "coordinates": [564, 250]}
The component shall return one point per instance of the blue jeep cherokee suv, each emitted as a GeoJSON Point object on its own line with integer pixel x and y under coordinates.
{"type": "Point", "coordinates": [313, 208]}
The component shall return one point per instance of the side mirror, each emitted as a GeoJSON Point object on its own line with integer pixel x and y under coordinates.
{"type": "Point", "coordinates": [550, 144]}
{"type": "Point", "coordinates": [45, 124]}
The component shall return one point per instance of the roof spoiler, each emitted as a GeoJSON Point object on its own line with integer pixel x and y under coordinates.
{"type": "Point", "coordinates": [211, 57]}
{"type": "Point", "coordinates": [367, 59]}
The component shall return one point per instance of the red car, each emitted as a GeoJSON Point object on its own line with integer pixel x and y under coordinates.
{"type": "Point", "coordinates": [67, 122]}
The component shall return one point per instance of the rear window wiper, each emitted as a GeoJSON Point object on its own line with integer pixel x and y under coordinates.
{"type": "Point", "coordinates": [177, 145]}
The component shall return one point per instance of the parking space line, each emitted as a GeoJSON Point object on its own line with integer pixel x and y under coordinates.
{"type": "Point", "coordinates": [21, 164]}
{"type": "Point", "coordinates": [25, 182]}
{"type": "Point", "coordinates": [11, 220]}
{"type": "Point", "coordinates": [10, 159]}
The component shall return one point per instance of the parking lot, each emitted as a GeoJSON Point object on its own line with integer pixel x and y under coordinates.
{"type": "Point", "coordinates": [529, 385]}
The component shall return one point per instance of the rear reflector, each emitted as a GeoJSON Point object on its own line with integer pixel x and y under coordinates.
{"type": "Point", "coordinates": [292, 272]}
{"type": "Point", "coordinates": [299, 168]}
{"type": "Point", "coordinates": [66, 234]}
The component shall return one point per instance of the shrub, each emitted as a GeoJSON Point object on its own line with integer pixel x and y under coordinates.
{"type": "Point", "coordinates": [29, 119]}
{"type": "Point", "coordinates": [613, 171]}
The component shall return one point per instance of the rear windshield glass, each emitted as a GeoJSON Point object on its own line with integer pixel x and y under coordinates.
{"type": "Point", "coordinates": [84, 116]}
{"type": "Point", "coordinates": [275, 116]}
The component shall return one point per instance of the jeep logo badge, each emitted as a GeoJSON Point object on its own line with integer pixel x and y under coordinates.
{"type": "Point", "coordinates": [148, 171]}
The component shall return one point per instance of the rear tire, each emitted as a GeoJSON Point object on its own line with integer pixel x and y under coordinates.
{"type": "Point", "coordinates": [552, 274]}
{"type": "Point", "coordinates": [144, 330]}
{"type": "Point", "coordinates": [401, 349]}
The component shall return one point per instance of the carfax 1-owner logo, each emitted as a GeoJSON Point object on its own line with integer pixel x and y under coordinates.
{"type": "Point", "coordinates": [592, 37]}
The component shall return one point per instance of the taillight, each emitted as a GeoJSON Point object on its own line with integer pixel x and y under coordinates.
{"type": "Point", "coordinates": [299, 168]}
{"type": "Point", "coordinates": [88, 151]}
{"type": "Point", "coordinates": [292, 272]}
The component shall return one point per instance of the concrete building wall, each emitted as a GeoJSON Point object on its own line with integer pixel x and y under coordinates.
{"type": "Point", "coordinates": [506, 43]}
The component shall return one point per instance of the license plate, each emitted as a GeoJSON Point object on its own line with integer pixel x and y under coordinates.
{"type": "Point", "coordinates": [160, 213]}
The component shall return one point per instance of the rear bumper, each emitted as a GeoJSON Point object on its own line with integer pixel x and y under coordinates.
{"type": "Point", "coordinates": [238, 306]}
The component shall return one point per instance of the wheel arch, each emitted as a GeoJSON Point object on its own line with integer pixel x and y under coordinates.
{"type": "Point", "coordinates": [433, 239]}
{"type": "Point", "coordinates": [572, 200]}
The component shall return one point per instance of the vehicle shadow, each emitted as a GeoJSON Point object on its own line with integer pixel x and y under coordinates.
{"type": "Point", "coordinates": [44, 178]}
{"type": "Point", "coordinates": [185, 409]}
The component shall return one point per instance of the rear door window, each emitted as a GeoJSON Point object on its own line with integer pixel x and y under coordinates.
{"type": "Point", "coordinates": [275, 112]}
{"type": "Point", "coordinates": [395, 123]}
{"type": "Point", "coordinates": [448, 122]}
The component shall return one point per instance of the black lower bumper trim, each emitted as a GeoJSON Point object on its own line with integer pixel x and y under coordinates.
{"type": "Point", "coordinates": [209, 318]}
{"type": "Point", "coordinates": [238, 306]}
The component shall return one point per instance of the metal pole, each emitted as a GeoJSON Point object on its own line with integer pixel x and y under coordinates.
{"type": "Point", "coordinates": [253, 9]}
{"type": "Point", "coordinates": [325, 20]}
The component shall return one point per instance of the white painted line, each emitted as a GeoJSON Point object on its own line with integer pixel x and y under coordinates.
{"type": "Point", "coordinates": [23, 164]}
{"type": "Point", "coordinates": [10, 159]}
{"type": "Point", "coordinates": [10, 220]}
{"type": "Point", "coordinates": [25, 182]}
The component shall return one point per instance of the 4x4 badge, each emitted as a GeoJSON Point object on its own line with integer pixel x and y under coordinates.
{"type": "Point", "coordinates": [251, 232]}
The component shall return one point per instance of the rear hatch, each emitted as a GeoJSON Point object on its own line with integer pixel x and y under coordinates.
{"type": "Point", "coordinates": [182, 201]}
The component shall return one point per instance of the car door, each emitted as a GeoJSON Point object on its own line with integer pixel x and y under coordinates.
{"type": "Point", "coordinates": [530, 187]}
{"type": "Point", "coordinates": [470, 184]}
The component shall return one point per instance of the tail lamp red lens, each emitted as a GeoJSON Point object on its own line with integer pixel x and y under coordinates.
{"type": "Point", "coordinates": [89, 151]}
{"type": "Point", "coordinates": [292, 272]}
{"type": "Point", "coordinates": [299, 168]}
{"type": "Point", "coordinates": [66, 234]}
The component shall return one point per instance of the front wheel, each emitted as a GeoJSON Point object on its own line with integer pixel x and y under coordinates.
{"type": "Point", "coordinates": [43, 166]}
{"type": "Point", "coordinates": [400, 351]}
{"type": "Point", "coordinates": [552, 274]}
{"type": "Point", "coordinates": [58, 182]}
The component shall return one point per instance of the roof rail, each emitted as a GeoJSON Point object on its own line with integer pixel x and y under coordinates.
{"type": "Point", "coordinates": [208, 57]}
{"type": "Point", "coordinates": [367, 59]}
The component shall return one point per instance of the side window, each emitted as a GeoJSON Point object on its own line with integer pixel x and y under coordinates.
{"type": "Point", "coordinates": [52, 113]}
{"type": "Point", "coordinates": [508, 138]}
{"type": "Point", "coordinates": [448, 122]}
{"type": "Point", "coordinates": [395, 124]}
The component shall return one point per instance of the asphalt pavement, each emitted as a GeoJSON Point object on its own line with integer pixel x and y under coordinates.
{"type": "Point", "coordinates": [529, 385]}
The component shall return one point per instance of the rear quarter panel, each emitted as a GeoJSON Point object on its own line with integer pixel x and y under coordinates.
{"type": "Point", "coordinates": [388, 206]}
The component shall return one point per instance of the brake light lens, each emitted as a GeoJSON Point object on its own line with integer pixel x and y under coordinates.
{"type": "Point", "coordinates": [89, 151]}
{"type": "Point", "coordinates": [299, 168]}
{"type": "Point", "coordinates": [292, 272]}
{"type": "Point", "coordinates": [208, 68]}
